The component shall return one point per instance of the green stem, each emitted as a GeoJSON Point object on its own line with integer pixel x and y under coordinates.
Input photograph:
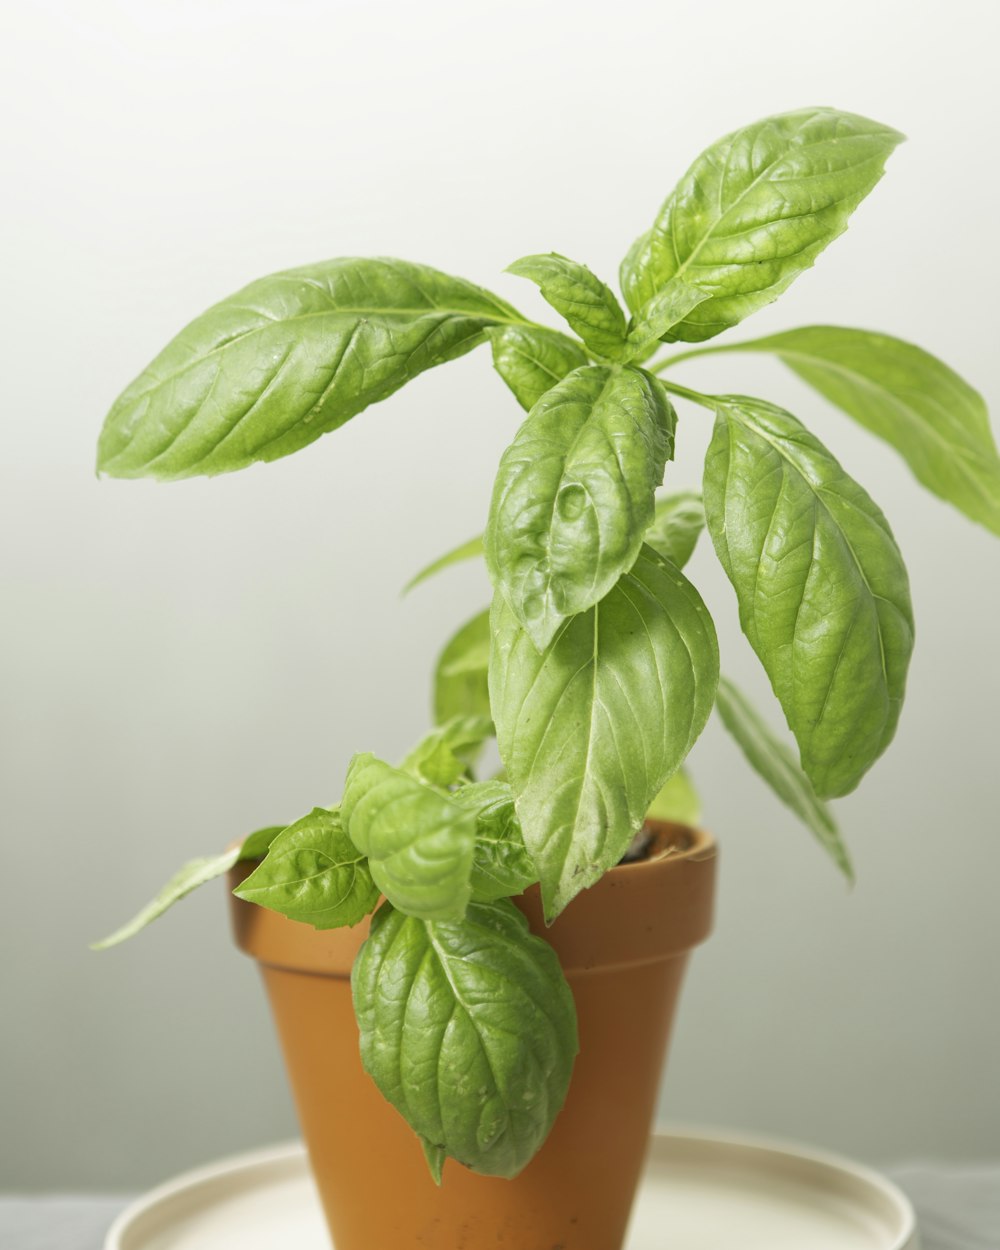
{"type": "Point", "coordinates": [660, 365]}
{"type": "Point", "coordinates": [696, 397]}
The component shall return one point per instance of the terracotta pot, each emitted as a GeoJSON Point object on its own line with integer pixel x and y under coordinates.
{"type": "Point", "coordinates": [624, 945]}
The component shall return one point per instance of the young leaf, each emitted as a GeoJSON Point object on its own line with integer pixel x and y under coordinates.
{"type": "Point", "coordinates": [678, 801]}
{"type": "Point", "coordinates": [753, 212]}
{"type": "Point", "coordinates": [287, 359]}
{"type": "Point", "coordinates": [591, 728]}
{"type": "Point", "coordinates": [772, 759]}
{"type": "Point", "coordinates": [314, 873]}
{"type": "Point", "coordinates": [194, 873]}
{"type": "Point", "coordinates": [469, 1029]}
{"type": "Point", "coordinates": [446, 753]}
{"type": "Point", "coordinates": [461, 687]}
{"type": "Point", "coordinates": [574, 493]}
{"type": "Point", "coordinates": [658, 316]}
{"type": "Point", "coordinates": [418, 842]}
{"type": "Point", "coordinates": [532, 359]}
{"type": "Point", "coordinates": [581, 297]}
{"type": "Point", "coordinates": [823, 593]}
{"type": "Point", "coordinates": [467, 551]}
{"type": "Point", "coordinates": [677, 521]}
{"type": "Point", "coordinates": [934, 419]}
{"type": "Point", "coordinates": [501, 866]}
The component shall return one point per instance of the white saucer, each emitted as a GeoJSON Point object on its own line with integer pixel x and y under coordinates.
{"type": "Point", "coordinates": [701, 1191]}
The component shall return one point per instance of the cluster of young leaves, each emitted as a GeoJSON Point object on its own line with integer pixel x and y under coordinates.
{"type": "Point", "coordinates": [597, 661]}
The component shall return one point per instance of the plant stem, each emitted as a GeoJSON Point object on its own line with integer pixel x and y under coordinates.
{"type": "Point", "coordinates": [660, 365]}
{"type": "Point", "coordinates": [696, 397]}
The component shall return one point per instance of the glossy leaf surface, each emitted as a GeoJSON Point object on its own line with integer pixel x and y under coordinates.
{"type": "Point", "coordinates": [288, 358]}
{"type": "Point", "coordinates": [822, 590]}
{"type": "Point", "coordinates": [581, 297]}
{"type": "Point", "coordinates": [574, 493]}
{"type": "Point", "coordinates": [531, 360]}
{"type": "Point", "coordinates": [754, 211]}
{"type": "Point", "coordinates": [469, 1029]}
{"type": "Point", "coordinates": [773, 760]}
{"type": "Point", "coordinates": [908, 397]}
{"type": "Point", "coordinates": [591, 728]}
{"type": "Point", "coordinates": [418, 842]}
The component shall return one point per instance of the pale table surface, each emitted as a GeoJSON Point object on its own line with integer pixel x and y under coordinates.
{"type": "Point", "coordinates": [959, 1209]}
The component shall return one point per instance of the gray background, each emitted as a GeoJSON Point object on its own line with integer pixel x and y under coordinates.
{"type": "Point", "coordinates": [184, 663]}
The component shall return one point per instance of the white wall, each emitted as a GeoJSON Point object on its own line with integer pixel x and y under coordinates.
{"type": "Point", "coordinates": [183, 663]}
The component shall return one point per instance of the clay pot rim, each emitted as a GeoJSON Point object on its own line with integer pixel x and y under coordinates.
{"type": "Point", "coordinates": [673, 843]}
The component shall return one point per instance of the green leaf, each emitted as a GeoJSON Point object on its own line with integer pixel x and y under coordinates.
{"type": "Point", "coordinates": [502, 866]}
{"type": "Point", "coordinates": [574, 493]}
{"type": "Point", "coordinates": [469, 1029]}
{"type": "Point", "coordinates": [461, 687]}
{"type": "Point", "coordinates": [287, 359]}
{"type": "Point", "coordinates": [822, 589]}
{"type": "Point", "coordinates": [934, 419]}
{"type": "Point", "coordinates": [581, 297]}
{"type": "Point", "coordinates": [531, 360]}
{"type": "Point", "coordinates": [314, 873]}
{"type": "Point", "coordinates": [591, 728]}
{"type": "Point", "coordinates": [446, 753]}
{"type": "Point", "coordinates": [467, 551]}
{"type": "Point", "coordinates": [677, 802]}
{"type": "Point", "coordinates": [677, 522]}
{"type": "Point", "coordinates": [772, 759]}
{"type": "Point", "coordinates": [194, 873]}
{"type": "Point", "coordinates": [418, 842]}
{"type": "Point", "coordinates": [753, 212]}
{"type": "Point", "coordinates": [658, 316]}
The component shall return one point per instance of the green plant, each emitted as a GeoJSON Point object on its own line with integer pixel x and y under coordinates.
{"type": "Point", "coordinates": [597, 664]}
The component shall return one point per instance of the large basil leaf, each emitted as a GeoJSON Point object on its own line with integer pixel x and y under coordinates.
{"type": "Point", "coordinates": [678, 519]}
{"type": "Point", "coordinates": [194, 873]}
{"type": "Point", "coordinates": [574, 493]}
{"type": "Point", "coordinates": [418, 842]}
{"type": "Point", "coordinates": [287, 359]}
{"type": "Point", "coordinates": [752, 212]}
{"type": "Point", "coordinates": [445, 754]}
{"type": "Point", "coordinates": [591, 728]}
{"type": "Point", "coordinates": [581, 297]}
{"type": "Point", "coordinates": [469, 1029]}
{"type": "Point", "coordinates": [933, 418]}
{"type": "Point", "coordinates": [461, 687]}
{"type": "Point", "coordinates": [531, 360]}
{"type": "Point", "coordinates": [822, 589]}
{"type": "Point", "coordinates": [314, 873]}
{"type": "Point", "coordinates": [502, 866]}
{"type": "Point", "coordinates": [772, 759]}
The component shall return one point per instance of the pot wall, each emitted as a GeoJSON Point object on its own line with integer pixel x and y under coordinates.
{"type": "Point", "coordinates": [624, 946]}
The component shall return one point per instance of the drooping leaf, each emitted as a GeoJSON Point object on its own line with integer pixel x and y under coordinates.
{"type": "Point", "coordinates": [418, 842]}
{"type": "Point", "coordinates": [933, 418]}
{"type": "Point", "coordinates": [314, 873]}
{"type": "Point", "coordinates": [194, 873]}
{"type": "Point", "coordinates": [592, 727]}
{"type": "Point", "coordinates": [574, 493]}
{"type": "Point", "coordinates": [288, 358]}
{"type": "Point", "coordinates": [501, 866]}
{"type": "Point", "coordinates": [678, 519]}
{"type": "Point", "coordinates": [822, 589]}
{"type": "Point", "coordinates": [532, 359]}
{"type": "Point", "coordinates": [773, 760]}
{"type": "Point", "coordinates": [752, 212]}
{"type": "Point", "coordinates": [461, 686]}
{"type": "Point", "coordinates": [469, 1029]}
{"type": "Point", "coordinates": [581, 297]}
{"type": "Point", "coordinates": [678, 801]}
{"type": "Point", "coordinates": [467, 551]}
{"type": "Point", "coordinates": [445, 754]}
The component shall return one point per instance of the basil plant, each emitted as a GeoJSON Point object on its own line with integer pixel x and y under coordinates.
{"type": "Point", "coordinates": [596, 667]}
